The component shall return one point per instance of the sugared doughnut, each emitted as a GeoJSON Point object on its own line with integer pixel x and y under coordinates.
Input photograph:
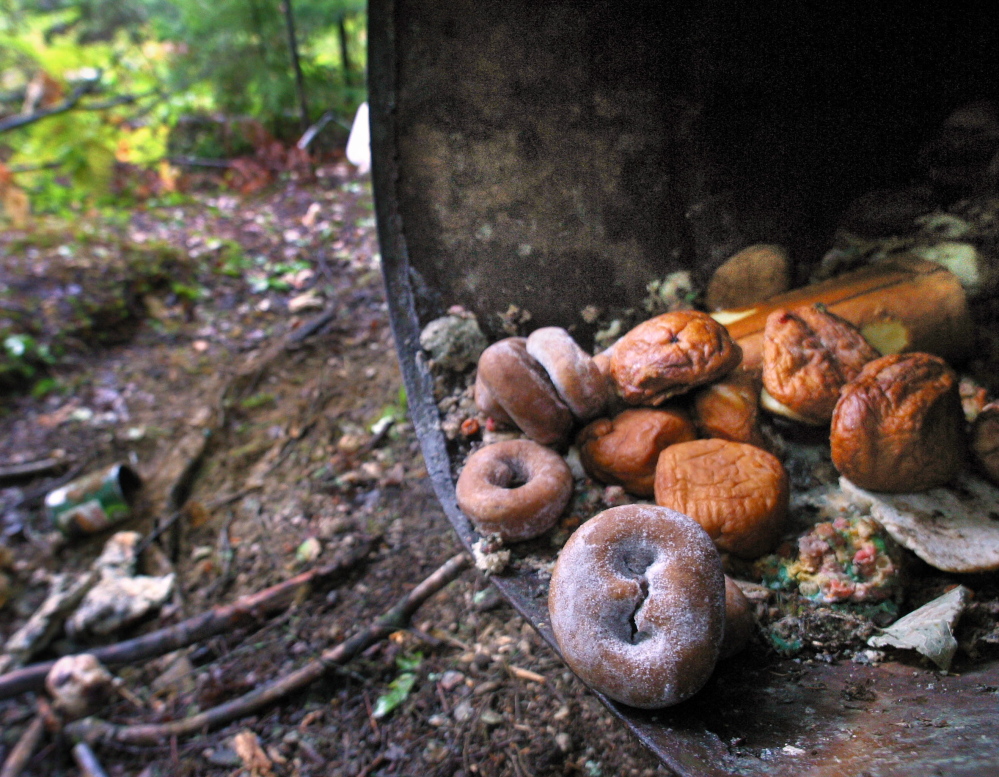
{"type": "Point", "coordinates": [515, 488]}
{"type": "Point", "coordinates": [671, 354]}
{"type": "Point", "coordinates": [518, 382]}
{"type": "Point", "coordinates": [739, 493]}
{"type": "Point", "coordinates": [623, 450]}
{"type": "Point", "coordinates": [572, 370]}
{"type": "Point", "coordinates": [637, 604]}
{"type": "Point", "coordinates": [486, 402]}
{"type": "Point", "coordinates": [739, 619]}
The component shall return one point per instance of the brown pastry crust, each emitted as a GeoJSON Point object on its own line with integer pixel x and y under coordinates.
{"type": "Point", "coordinates": [572, 370]}
{"type": "Point", "coordinates": [729, 409]}
{"type": "Point", "coordinates": [514, 488]}
{"type": "Point", "coordinates": [519, 384]}
{"type": "Point", "coordinates": [739, 493]}
{"type": "Point", "coordinates": [740, 619]}
{"type": "Point", "coordinates": [899, 425]}
{"type": "Point", "coordinates": [809, 354]}
{"type": "Point", "coordinates": [623, 450]}
{"type": "Point", "coordinates": [637, 605]}
{"type": "Point", "coordinates": [671, 354]}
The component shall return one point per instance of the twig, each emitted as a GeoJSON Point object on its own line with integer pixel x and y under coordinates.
{"type": "Point", "coordinates": [171, 519]}
{"type": "Point", "coordinates": [87, 761]}
{"type": "Point", "coordinates": [25, 747]}
{"type": "Point", "coordinates": [311, 326]}
{"type": "Point", "coordinates": [223, 618]}
{"type": "Point", "coordinates": [30, 469]}
{"type": "Point", "coordinates": [92, 729]}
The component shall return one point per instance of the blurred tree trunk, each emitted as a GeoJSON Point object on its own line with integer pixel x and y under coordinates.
{"type": "Point", "coordinates": [348, 69]}
{"type": "Point", "coordinates": [303, 105]}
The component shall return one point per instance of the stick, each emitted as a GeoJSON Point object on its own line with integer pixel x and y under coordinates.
{"type": "Point", "coordinates": [24, 748]}
{"type": "Point", "coordinates": [217, 620]}
{"type": "Point", "coordinates": [92, 729]}
{"type": "Point", "coordinates": [30, 469]}
{"type": "Point", "coordinates": [87, 761]}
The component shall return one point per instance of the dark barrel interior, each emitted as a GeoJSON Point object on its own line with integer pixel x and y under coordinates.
{"type": "Point", "coordinates": [536, 160]}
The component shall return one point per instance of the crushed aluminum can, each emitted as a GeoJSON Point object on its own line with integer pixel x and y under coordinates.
{"type": "Point", "coordinates": [94, 502]}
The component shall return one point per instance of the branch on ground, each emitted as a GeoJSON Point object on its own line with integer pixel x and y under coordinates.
{"type": "Point", "coordinates": [95, 730]}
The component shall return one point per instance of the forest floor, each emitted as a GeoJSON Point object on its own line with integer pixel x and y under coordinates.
{"type": "Point", "coordinates": [288, 446]}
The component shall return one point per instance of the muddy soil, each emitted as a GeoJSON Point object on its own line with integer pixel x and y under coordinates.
{"type": "Point", "coordinates": [263, 395]}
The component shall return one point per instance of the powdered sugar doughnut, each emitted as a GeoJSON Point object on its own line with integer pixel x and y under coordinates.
{"type": "Point", "coordinates": [637, 604]}
{"type": "Point", "coordinates": [577, 378]}
{"type": "Point", "coordinates": [514, 488]}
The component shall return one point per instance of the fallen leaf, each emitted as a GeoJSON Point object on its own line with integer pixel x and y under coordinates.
{"type": "Point", "coordinates": [247, 747]}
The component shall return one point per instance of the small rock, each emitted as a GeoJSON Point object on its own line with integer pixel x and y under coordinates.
{"type": "Point", "coordinates": [463, 712]}
{"type": "Point", "coordinates": [754, 273]}
{"type": "Point", "coordinates": [451, 679]}
{"type": "Point", "coordinates": [491, 718]}
{"type": "Point", "coordinates": [453, 342]}
{"type": "Point", "coordinates": [78, 685]}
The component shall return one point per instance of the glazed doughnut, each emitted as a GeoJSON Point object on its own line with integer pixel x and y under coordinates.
{"type": "Point", "coordinates": [520, 385]}
{"type": "Point", "coordinates": [572, 370]}
{"type": "Point", "coordinates": [514, 488]}
{"type": "Point", "coordinates": [637, 605]}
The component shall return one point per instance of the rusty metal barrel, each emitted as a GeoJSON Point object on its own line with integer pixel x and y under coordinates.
{"type": "Point", "coordinates": [545, 160]}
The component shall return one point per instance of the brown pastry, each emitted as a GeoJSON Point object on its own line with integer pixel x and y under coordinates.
{"type": "Point", "coordinates": [669, 355]}
{"type": "Point", "coordinates": [809, 354]}
{"type": "Point", "coordinates": [899, 425]}
{"type": "Point", "coordinates": [623, 451]}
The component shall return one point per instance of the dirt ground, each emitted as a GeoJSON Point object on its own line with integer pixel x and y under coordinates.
{"type": "Point", "coordinates": [287, 447]}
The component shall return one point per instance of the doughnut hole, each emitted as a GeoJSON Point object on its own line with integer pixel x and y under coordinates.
{"type": "Point", "coordinates": [737, 492]}
{"type": "Point", "coordinates": [637, 605]}
{"type": "Point", "coordinates": [623, 451]}
{"type": "Point", "coordinates": [740, 620]}
{"type": "Point", "coordinates": [515, 488]}
{"type": "Point", "coordinates": [809, 354]}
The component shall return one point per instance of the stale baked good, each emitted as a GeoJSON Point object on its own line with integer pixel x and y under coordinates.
{"type": "Point", "coordinates": [575, 375]}
{"type": "Point", "coordinates": [515, 488]}
{"type": "Point", "coordinates": [519, 384]}
{"type": "Point", "coordinates": [809, 354]}
{"type": "Point", "coordinates": [671, 354]}
{"type": "Point", "coordinates": [739, 493]}
{"type": "Point", "coordinates": [623, 450]}
{"type": "Point", "coordinates": [899, 426]}
{"type": "Point", "coordinates": [637, 605]}
{"type": "Point", "coordinates": [729, 409]}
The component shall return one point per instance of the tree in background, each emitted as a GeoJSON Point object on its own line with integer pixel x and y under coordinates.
{"type": "Point", "coordinates": [84, 83]}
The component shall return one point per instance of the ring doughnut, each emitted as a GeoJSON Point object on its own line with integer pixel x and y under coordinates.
{"type": "Point", "coordinates": [576, 377]}
{"type": "Point", "coordinates": [637, 605]}
{"type": "Point", "coordinates": [514, 488]}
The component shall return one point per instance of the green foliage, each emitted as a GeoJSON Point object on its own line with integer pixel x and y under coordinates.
{"type": "Point", "coordinates": [399, 689]}
{"type": "Point", "coordinates": [132, 69]}
{"type": "Point", "coordinates": [240, 49]}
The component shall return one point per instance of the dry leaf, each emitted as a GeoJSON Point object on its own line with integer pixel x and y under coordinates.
{"type": "Point", "coordinates": [247, 747]}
